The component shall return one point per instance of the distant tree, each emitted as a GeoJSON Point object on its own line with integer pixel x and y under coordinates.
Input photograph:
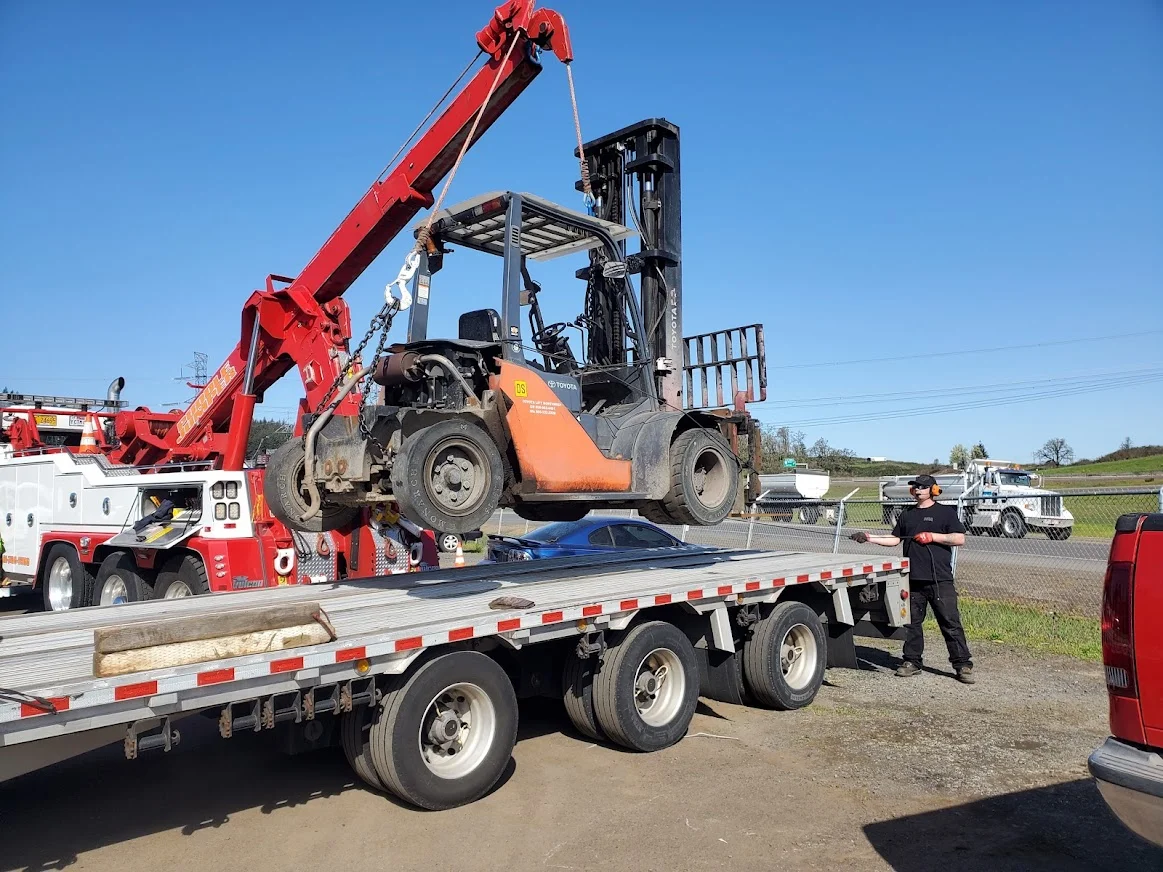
{"type": "Point", "coordinates": [936, 461]}
{"type": "Point", "coordinates": [1125, 445]}
{"type": "Point", "coordinates": [958, 456]}
{"type": "Point", "coordinates": [978, 452]}
{"type": "Point", "coordinates": [267, 434]}
{"type": "Point", "coordinates": [1056, 452]}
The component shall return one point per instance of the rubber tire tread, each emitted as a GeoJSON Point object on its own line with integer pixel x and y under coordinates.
{"type": "Point", "coordinates": [138, 581]}
{"type": "Point", "coordinates": [577, 690]}
{"type": "Point", "coordinates": [1022, 529]}
{"type": "Point", "coordinates": [82, 577]}
{"type": "Point", "coordinates": [408, 777]}
{"type": "Point", "coordinates": [411, 492]}
{"type": "Point", "coordinates": [678, 503]}
{"type": "Point", "coordinates": [354, 728]}
{"type": "Point", "coordinates": [283, 501]}
{"type": "Point", "coordinates": [614, 692]}
{"type": "Point", "coordinates": [182, 567]}
{"type": "Point", "coordinates": [761, 668]}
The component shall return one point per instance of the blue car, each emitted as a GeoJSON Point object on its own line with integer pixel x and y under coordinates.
{"type": "Point", "coordinates": [587, 536]}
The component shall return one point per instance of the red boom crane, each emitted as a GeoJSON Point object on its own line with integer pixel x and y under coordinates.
{"type": "Point", "coordinates": [306, 324]}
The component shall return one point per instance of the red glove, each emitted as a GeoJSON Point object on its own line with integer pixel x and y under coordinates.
{"type": "Point", "coordinates": [923, 538]}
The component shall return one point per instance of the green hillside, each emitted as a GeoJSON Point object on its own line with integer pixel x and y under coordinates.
{"type": "Point", "coordinates": [1133, 466]}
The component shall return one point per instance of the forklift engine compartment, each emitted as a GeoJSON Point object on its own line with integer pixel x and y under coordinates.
{"type": "Point", "coordinates": [491, 418]}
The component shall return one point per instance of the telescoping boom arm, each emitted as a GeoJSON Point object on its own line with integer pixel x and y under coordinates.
{"type": "Point", "coordinates": [304, 323]}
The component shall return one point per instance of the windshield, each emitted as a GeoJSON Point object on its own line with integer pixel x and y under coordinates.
{"type": "Point", "coordinates": [555, 532]}
{"type": "Point", "coordinates": [1015, 479]}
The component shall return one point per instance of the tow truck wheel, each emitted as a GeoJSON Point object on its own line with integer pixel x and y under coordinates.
{"type": "Point", "coordinates": [1013, 525]}
{"type": "Point", "coordinates": [783, 661]}
{"type": "Point", "coordinates": [448, 476]}
{"type": "Point", "coordinates": [67, 582]}
{"type": "Point", "coordinates": [1059, 534]}
{"type": "Point", "coordinates": [444, 734]}
{"type": "Point", "coordinates": [119, 581]}
{"type": "Point", "coordinates": [180, 576]}
{"type": "Point", "coordinates": [284, 493]}
{"type": "Point", "coordinates": [704, 478]}
{"type": "Point", "coordinates": [577, 687]}
{"type": "Point", "coordinates": [647, 688]}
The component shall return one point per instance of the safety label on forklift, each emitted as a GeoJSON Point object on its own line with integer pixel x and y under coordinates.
{"type": "Point", "coordinates": [520, 389]}
{"type": "Point", "coordinates": [540, 407]}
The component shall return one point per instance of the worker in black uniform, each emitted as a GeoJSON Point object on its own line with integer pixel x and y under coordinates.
{"type": "Point", "coordinates": [930, 531]}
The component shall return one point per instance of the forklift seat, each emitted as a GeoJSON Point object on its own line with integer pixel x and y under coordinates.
{"type": "Point", "coordinates": [481, 325]}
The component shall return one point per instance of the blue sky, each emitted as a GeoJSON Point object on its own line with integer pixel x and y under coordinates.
{"type": "Point", "coordinates": [868, 180]}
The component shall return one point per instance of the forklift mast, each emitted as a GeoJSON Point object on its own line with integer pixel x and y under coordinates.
{"type": "Point", "coordinates": [636, 180]}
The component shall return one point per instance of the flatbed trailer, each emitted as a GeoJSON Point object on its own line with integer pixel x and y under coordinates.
{"type": "Point", "coordinates": [417, 676]}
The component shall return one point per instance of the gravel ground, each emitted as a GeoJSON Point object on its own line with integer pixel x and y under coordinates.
{"type": "Point", "coordinates": [880, 773]}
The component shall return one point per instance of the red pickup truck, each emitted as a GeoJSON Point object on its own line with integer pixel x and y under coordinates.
{"type": "Point", "coordinates": [1128, 767]}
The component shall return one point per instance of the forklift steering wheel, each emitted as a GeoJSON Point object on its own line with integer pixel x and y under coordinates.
{"type": "Point", "coordinates": [549, 333]}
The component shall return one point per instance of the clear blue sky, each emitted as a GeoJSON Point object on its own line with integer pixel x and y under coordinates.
{"type": "Point", "coordinates": [868, 180]}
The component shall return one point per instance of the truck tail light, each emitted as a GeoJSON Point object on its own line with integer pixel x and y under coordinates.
{"type": "Point", "coordinates": [1118, 642]}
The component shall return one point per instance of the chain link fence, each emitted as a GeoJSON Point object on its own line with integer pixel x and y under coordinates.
{"type": "Point", "coordinates": [1030, 572]}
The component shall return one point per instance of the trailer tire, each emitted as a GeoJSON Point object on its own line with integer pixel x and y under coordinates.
{"type": "Point", "coordinates": [119, 581]}
{"type": "Point", "coordinates": [354, 732]}
{"type": "Point", "coordinates": [704, 478]}
{"type": "Point", "coordinates": [637, 708]}
{"type": "Point", "coordinates": [284, 493]}
{"type": "Point", "coordinates": [784, 660]}
{"type": "Point", "coordinates": [408, 759]}
{"type": "Point", "coordinates": [180, 576]}
{"type": "Point", "coordinates": [577, 688]}
{"type": "Point", "coordinates": [428, 483]}
{"type": "Point", "coordinates": [1013, 525]}
{"type": "Point", "coordinates": [66, 582]}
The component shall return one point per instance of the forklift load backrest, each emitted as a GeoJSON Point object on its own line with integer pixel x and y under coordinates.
{"type": "Point", "coordinates": [481, 325]}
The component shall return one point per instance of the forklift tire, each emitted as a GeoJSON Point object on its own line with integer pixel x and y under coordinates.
{"type": "Point", "coordinates": [119, 581]}
{"type": "Point", "coordinates": [180, 576]}
{"type": "Point", "coordinates": [444, 733]}
{"type": "Point", "coordinates": [284, 493]}
{"type": "Point", "coordinates": [354, 731]}
{"type": "Point", "coordinates": [577, 690]}
{"type": "Point", "coordinates": [547, 512]}
{"type": "Point", "coordinates": [66, 582]}
{"type": "Point", "coordinates": [448, 476]}
{"type": "Point", "coordinates": [784, 660]}
{"type": "Point", "coordinates": [655, 514]}
{"type": "Point", "coordinates": [704, 478]}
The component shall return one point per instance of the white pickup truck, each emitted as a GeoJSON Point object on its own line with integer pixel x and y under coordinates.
{"type": "Point", "coordinates": [999, 498]}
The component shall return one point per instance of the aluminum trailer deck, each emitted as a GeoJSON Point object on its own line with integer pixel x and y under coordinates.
{"type": "Point", "coordinates": [77, 680]}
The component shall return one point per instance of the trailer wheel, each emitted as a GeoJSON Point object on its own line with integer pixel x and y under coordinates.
{"type": "Point", "coordinates": [647, 688]}
{"type": "Point", "coordinates": [704, 478]}
{"type": "Point", "coordinates": [66, 582]}
{"type": "Point", "coordinates": [444, 734]}
{"type": "Point", "coordinates": [1013, 525]}
{"type": "Point", "coordinates": [448, 476]}
{"type": "Point", "coordinates": [180, 576]}
{"type": "Point", "coordinates": [783, 661]}
{"type": "Point", "coordinates": [119, 581]}
{"type": "Point", "coordinates": [284, 493]}
{"type": "Point", "coordinates": [577, 689]}
{"type": "Point", "coordinates": [354, 735]}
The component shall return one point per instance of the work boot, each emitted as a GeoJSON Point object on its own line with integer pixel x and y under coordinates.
{"type": "Point", "coordinates": [908, 669]}
{"type": "Point", "coordinates": [965, 675]}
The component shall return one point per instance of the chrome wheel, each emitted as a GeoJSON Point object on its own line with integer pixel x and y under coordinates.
{"type": "Point", "coordinates": [177, 589]}
{"type": "Point", "coordinates": [60, 585]}
{"type": "Point", "coordinates": [449, 542]}
{"type": "Point", "coordinates": [798, 656]}
{"type": "Point", "coordinates": [114, 591]}
{"type": "Point", "coordinates": [457, 731]}
{"type": "Point", "coordinates": [659, 687]}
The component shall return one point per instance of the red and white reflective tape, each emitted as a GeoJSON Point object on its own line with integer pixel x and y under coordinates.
{"type": "Point", "coordinates": [291, 661]}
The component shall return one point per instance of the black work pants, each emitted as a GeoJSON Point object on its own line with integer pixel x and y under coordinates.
{"type": "Point", "coordinates": [943, 597]}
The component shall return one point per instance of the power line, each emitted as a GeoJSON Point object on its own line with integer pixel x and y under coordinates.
{"type": "Point", "coordinates": [932, 354]}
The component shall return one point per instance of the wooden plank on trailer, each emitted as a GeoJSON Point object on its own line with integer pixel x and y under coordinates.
{"type": "Point", "coordinates": [206, 650]}
{"type": "Point", "coordinates": [110, 640]}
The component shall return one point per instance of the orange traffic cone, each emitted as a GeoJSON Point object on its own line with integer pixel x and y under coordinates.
{"type": "Point", "coordinates": [459, 561]}
{"type": "Point", "coordinates": [89, 436]}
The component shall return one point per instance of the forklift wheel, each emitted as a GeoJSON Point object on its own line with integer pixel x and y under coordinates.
{"type": "Point", "coordinates": [284, 493]}
{"type": "Point", "coordinates": [448, 476]}
{"type": "Point", "coordinates": [704, 478]}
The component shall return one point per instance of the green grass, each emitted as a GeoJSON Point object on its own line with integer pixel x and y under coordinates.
{"type": "Point", "coordinates": [1138, 465]}
{"type": "Point", "coordinates": [1029, 628]}
{"type": "Point", "coordinates": [475, 546]}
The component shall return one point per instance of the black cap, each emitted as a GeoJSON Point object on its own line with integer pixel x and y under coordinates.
{"type": "Point", "coordinates": [923, 481]}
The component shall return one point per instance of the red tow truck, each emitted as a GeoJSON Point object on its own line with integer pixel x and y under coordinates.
{"type": "Point", "coordinates": [1128, 767]}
